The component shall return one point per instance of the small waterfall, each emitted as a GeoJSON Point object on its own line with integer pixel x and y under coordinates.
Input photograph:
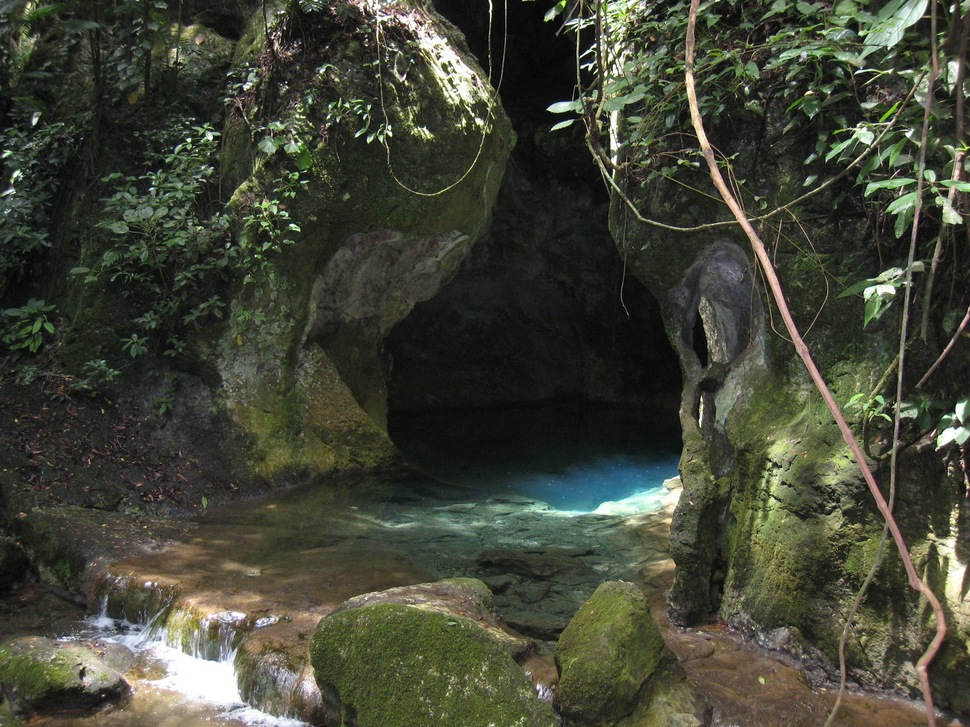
{"type": "Point", "coordinates": [203, 653]}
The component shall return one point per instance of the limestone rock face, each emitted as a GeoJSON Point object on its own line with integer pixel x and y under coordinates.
{"type": "Point", "coordinates": [404, 146]}
{"type": "Point", "coordinates": [425, 655]}
{"type": "Point", "coordinates": [539, 310]}
{"type": "Point", "coordinates": [41, 675]}
{"type": "Point", "coordinates": [776, 527]}
{"type": "Point", "coordinates": [615, 668]}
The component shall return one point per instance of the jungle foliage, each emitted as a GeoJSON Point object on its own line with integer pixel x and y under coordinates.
{"type": "Point", "coordinates": [876, 94]}
{"type": "Point", "coordinates": [874, 91]}
{"type": "Point", "coordinates": [73, 74]}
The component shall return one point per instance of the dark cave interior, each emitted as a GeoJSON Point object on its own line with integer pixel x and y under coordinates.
{"type": "Point", "coordinates": [543, 309]}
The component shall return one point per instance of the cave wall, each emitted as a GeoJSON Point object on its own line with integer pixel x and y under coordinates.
{"type": "Point", "coordinates": [383, 227]}
{"type": "Point", "coordinates": [539, 311]}
{"type": "Point", "coordinates": [776, 528]}
{"type": "Point", "coordinates": [294, 372]}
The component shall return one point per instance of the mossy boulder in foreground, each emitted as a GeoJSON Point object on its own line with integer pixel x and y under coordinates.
{"type": "Point", "coordinates": [615, 668]}
{"type": "Point", "coordinates": [394, 664]}
{"type": "Point", "coordinates": [41, 675]}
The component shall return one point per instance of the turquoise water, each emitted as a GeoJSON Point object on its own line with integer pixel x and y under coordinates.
{"type": "Point", "coordinates": [571, 457]}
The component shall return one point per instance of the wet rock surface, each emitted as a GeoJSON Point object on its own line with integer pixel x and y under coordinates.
{"type": "Point", "coordinates": [616, 669]}
{"type": "Point", "coordinates": [13, 562]}
{"type": "Point", "coordinates": [296, 557]}
{"type": "Point", "coordinates": [42, 675]}
{"type": "Point", "coordinates": [287, 561]}
{"type": "Point", "coordinates": [405, 657]}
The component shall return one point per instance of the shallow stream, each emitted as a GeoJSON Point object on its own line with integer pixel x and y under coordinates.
{"type": "Point", "coordinates": [247, 587]}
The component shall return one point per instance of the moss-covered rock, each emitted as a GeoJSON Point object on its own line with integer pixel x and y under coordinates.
{"type": "Point", "coordinates": [40, 675]}
{"type": "Point", "coordinates": [418, 661]}
{"type": "Point", "coordinates": [776, 527]}
{"type": "Point", "coordinates": [276, 677]}
{"type": "Point", "coordinates": [400, 170]}
{"type": "Point", "coordinates": [387, 157]}
{"type": "Point", "coordinates": [615, 668]}
{"type": "Point", "coordinates": [670, 700]}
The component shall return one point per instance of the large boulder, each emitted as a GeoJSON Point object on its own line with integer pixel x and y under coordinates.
{"type": "Point", "coordinates": [615, 668]}
{"type": "Point", "coordinates": [359, 171]}
{"type": "Point", "coordinates": [403, 146]}
{"type": "Point", "coordinates": [424, 655]}
{"type": "Point", "coordinates": [41, 675]}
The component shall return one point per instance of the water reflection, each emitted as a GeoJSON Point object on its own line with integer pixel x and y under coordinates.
{"type": "Point", "coordinates": [509, 502]}
{"type": "Point", "coordinates": [572, 457]}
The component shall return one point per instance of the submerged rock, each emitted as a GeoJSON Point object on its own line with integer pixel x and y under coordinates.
{"type": "Point", "coordinates": [615, 668]}
{"type": "Point", "coordinates": [430, 654]}
{"type": "Point", "coordinates": [42, 675]}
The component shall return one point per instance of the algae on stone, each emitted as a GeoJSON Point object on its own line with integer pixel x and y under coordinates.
{"type": "Point", "coordinates": [608, 658]}
{"type": "Point", "coordinates": [775, 526]}
{"type": "Point", "coordinates": [41, 675]}
{"type": "Point", "coordinates": [394, 665]}
{"type": "Point", "coordinates": [382, 226]}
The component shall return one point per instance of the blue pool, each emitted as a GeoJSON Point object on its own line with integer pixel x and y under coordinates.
{"type": "Point", "coordinates": [573, 457]}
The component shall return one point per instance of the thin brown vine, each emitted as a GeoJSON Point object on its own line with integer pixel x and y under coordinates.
{"type": "Point", "coordinates": [801, 348]}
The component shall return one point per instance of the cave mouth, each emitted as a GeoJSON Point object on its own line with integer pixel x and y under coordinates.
{"type": "Point", "coordinates": [542, 366]}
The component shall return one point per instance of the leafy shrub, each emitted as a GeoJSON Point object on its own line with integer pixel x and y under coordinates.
{"type": "Point", "coordinates": [28, 325]}
{"type": "Point", "coordinates": [169, 244]}
{"type": "Point", "coordinates": [32, 160]}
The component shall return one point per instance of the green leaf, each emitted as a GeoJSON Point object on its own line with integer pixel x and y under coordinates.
{"type": "Point", "coordinates": [268, 145]}
{"type": "Point", "coordinates": [950, 215]}
{"type": "Point", "coordinates": [903, 221]}
{"type": "Point", "coordinates": [909, 409]}
{"type": "Point", "coordinates": [304, 159]}
{"type": "Point", "coordinates": [563, 124]}
{"type": "Point", "coordinates": [901, 204]}
{"type": "Point", "coordinates": [563, 107]}
{"type": "Point", "coordinates": [953, 435]}
{"type": "Point", "coordinates": [889, 184]}
{"type": "Point", "coordinates": [891, 23]}
{"type": "Point", "coordinates": [615, 104]}
{"type": "Point", "coordinates": [960, 186]}
{"type": "Point", "coordinates": [960, 410]}
{"type": "Point", "coordinates": [874, 308]}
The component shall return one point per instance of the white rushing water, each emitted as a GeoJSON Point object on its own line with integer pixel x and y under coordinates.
{"type": "Point", "coordinates": [170, 688]}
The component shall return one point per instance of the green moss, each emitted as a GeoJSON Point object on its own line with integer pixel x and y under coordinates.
{"type": "Point", "coordinates": [391, 665]}
{"type": "Point", "coordinates": [31, 680]}
{"type": "Point", "coordinates": [606, 653]}
{"type": "Point", "coordinates": [42, 675]}
{"type": "Point", "coordinates": [53, 555]}
{"type": "Point", "coordinates": [133, 599]}
{"type": "Point", "coordinates": [671, 700]}
{"type": "Point", "coordinates": [308, 393]}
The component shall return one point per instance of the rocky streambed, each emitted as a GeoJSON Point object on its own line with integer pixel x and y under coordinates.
{"type": "Point", "coordinates": [251, 582]}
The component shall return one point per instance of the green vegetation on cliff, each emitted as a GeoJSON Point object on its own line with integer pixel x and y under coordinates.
{"type": "Point", "coordinates": [842, 129]}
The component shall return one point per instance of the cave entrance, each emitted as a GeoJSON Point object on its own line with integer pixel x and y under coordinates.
{"type": "Point", "coordinates": [542, 368]}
